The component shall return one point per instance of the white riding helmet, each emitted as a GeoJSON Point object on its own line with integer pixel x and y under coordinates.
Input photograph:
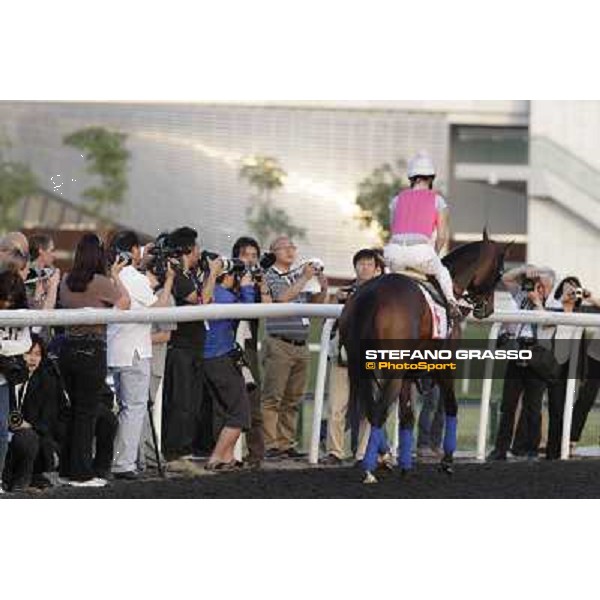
{"type": "Point", "coordinates": [421, 165]}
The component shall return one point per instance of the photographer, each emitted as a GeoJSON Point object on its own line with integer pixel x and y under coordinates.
{"type": "Point", "coordinates": [368, 264]}
{"type": "Point", "coordinates": [591, 383]}
{"type": "Point", "coordinates": [13, 343]}
{"type": "Point", "coordinates": [36, 439]}
{"type": "Point", "coordinates": [182, 392]}
{"type": "Point", "coordinates": [248, 251]}
{"type": "Point", "coordinates": [82, 357]}
{"type": "Point", "coordinates": [129, 354]}
{"type": "Point", "coordinates": [223, 379]}
{"type": "Point", "coordinates": [530, 287]}
{"type": "Point", "coordinates": [286, 357]}
{"type": "Point", "coordinates": [43, 278]}
{"type": "Point", "coordinates": [567, 297]}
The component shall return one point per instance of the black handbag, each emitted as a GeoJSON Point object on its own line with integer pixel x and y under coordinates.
{"type": "Point", "coordinates": [14, 369]}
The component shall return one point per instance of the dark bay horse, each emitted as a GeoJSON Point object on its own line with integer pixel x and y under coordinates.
{"type": "Point", "coordinates": [392, 307]}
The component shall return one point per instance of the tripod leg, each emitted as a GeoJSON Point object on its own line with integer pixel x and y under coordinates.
{"type": "Point", "coordinates": [155, 440]}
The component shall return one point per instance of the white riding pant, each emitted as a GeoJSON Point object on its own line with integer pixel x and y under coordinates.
{"type": "Point", "coordinates": [422, 258]}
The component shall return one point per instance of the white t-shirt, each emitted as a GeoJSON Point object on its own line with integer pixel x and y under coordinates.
{"type": "Point", "coordinates": [125, 339]}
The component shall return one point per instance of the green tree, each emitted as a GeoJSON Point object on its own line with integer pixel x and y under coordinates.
{"type": "Point", "coordinates": [265, 175]}
{"type": "Point", "coordinates": [375, 193]}
{"type": "Point", "coordinates": [16, 182]}
{"type": "Point", "coordinates": [107, 157]}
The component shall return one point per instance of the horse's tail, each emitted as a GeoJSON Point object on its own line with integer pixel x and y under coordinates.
{"type": "Point", "coordinates": [361, 383]}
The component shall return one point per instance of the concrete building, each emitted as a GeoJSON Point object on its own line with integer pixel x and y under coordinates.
{"type": "Point", "coordinates": [527, 170]}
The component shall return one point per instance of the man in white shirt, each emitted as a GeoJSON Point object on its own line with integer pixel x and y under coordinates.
{"type": "Point", "coordinates": [129, 353]}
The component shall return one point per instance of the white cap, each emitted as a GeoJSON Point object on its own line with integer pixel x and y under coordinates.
{"type": "Point", "coordinates": [421, 164]}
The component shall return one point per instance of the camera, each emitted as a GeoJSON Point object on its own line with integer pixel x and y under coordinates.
{"type": "Point", "coordinates": [15, 419]}
{"type": "Point", "coordinates": [162, 253]}
{"type": "Point", "coordinates": [230, 265]}
{"type": "Point", "coordinates": [36, 275]}
{"type": "Point", "coordinates": [123, 256]}
{"type": "Point", "coordinates": [580, 294]}
{"type": "Point", "coordinates": [267, 260]}
{"type": "Point", "coordinates": [528, 284]}
{"type": "Point", "coordinates": [317, 265]}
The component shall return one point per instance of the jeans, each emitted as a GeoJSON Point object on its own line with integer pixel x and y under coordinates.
{"type": "Point", "coordinates": [83, 367]}
{"type": "Point", "coordinates": [132, 385]}
{"type": "Point", "coordinates": [431, 417]}
{"type": "Point", "coordinates": [4, 408]}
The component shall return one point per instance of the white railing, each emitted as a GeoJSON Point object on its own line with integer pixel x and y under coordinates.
{"type": "Point", "coordinates": [90, 316]}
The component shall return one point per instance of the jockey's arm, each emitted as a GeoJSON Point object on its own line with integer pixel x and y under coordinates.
{"type": "Point", "coordinates": [443, 230]}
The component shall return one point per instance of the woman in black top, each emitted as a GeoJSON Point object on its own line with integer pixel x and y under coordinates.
{"type": "Point", "coordinates": [35, 443]}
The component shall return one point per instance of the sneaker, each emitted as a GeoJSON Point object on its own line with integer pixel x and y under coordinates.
{"type": "Point", "coordinates": [496, 455]}
{"type": "Point", "coordinates": [95, 482]}
{"type": "Point", "coordinates": [253, 464]}
{"type": "Point", "coordinates": [293, 454]}
{"type": "Point", "coordinates": [332, 460]}
{"type": "Point", "coordinates": [274, 454]}
{"type": "Point", "coordinates": [127, 475]}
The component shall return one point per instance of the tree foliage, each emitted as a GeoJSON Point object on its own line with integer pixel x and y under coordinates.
{"type": "Point", "coordinates": [265, 175]}
{"type": "Point", "coordinates": [375, 193]}
{"type": "Point", "coordinates": [16, 181]}
{"type": "Point", "coordinates": [107, 157]}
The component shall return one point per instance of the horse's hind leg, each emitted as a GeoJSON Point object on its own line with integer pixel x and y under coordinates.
{"type": "Point", "coordinates": [407, 422]}
{"type": "Point", "coordinates": [450, 426]}
{"type": "Point", "coordinates": [376, 442]}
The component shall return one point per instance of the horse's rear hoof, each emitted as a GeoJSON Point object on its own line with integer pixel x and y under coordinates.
{"type": "Point", "coordinates": [369, 478]}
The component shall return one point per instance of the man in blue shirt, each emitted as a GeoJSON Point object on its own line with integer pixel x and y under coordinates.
{"type": "Point", "coordinates": [223, 380]}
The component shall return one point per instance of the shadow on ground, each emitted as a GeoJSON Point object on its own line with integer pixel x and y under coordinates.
{"type": "Point", "coordinates": [558, 479]}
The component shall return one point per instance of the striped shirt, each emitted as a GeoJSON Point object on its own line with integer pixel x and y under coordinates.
{"type": "Point", "coordinates": [293, 328]}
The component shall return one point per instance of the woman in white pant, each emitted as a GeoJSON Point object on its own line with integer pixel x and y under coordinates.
{"type": "Point", "coordinates": [419, 228]}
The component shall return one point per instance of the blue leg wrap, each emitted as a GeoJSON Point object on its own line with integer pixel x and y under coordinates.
{"type": "Point", "coordinates": [450, 435]}
{"type": "Point", "coordinates": [406, 443]}
{"type": "Point", "coordinates": [369, 462]}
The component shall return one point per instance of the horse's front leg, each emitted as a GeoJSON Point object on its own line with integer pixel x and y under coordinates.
{"type": "Point", "coordinates": [450, 426]}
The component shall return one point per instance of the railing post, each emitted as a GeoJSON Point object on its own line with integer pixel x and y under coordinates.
{"type": "Point", "coordinates": [313, 455]}
{"type": "Point", "coordinates": [486, 394]}
{"type": "Point", "coordinates": [570, 393]}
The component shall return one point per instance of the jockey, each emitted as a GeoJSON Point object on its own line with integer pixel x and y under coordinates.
{"type": "Point", "coordinates": [416, 215]}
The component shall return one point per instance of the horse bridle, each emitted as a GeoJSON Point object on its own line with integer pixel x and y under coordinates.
{"type": "Point", "coordinates": [478, 298]}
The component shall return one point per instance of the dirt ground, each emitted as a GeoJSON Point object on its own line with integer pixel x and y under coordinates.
{"type": "Point", "coordinates": [540, 479]}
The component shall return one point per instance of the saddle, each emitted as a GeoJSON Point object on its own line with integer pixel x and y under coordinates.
{"type": "Point", "coordinates": [436, 300]}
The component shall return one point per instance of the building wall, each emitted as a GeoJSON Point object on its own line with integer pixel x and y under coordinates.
{"type": "Point", "coordinates": [186, 158]}
{"type": "Point", "coordinates": [564, 187]}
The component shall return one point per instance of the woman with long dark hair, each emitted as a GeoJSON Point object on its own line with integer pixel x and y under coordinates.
{"type": "Point", "coordinates": [83, 355]}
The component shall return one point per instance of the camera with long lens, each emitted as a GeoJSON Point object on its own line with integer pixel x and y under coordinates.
{"type": "Point", "coordinates": [163, 253]}
{"type": "Point", "coordinates": [15, 420]}
{"type": "Point", "coordinates": [234, 266]}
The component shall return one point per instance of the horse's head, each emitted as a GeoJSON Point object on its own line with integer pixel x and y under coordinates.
{"type": "Point", "coordinates": [476, 269]}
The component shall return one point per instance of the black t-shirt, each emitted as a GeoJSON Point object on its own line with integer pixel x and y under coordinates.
{"type": "Point", "coordinates": [187, 335]}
